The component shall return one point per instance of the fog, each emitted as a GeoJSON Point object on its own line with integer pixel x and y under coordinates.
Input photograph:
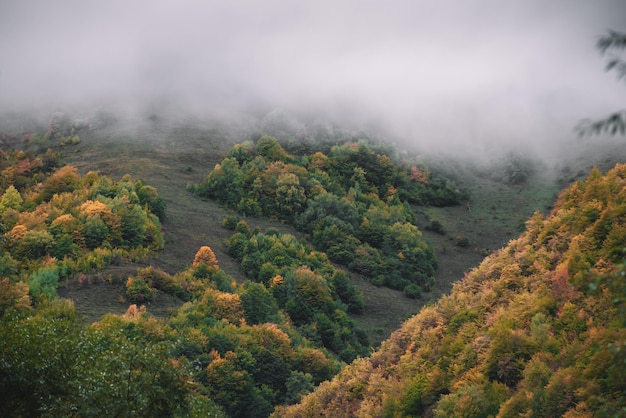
{"type": "Point", "coordinates": [459, 76]}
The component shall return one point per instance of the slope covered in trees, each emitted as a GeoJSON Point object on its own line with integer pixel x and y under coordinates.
{"type": "Point", "coordinates": [56, 223]}
{"type": "Point", "coordinates": [538, 326]}
{"type": "Point", "coordinates": [538, 329]}
{"type": "Point", "coordinates": [353, 203]}
{"type": "Point", "coordinates": [231, 349]}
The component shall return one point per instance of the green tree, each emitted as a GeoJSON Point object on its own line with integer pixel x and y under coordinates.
{"type": "Point", "coordinates": [230, 385]}
{"type": "Point", "coordinates": [11, 199]}
{"type": "Point", "coordinates": [35, 244]}
{"type": "Point", "coordinates": [290, 196]}
{"type": "Point", "coordinates": [298, 385]}
{"type": "Point", "coordinates": [149, 196]}
{"type": "Point", "coordinates": [269, 148]}
{"type": "Point", "coordinates": [258, 303]}
{"type": "Point", "coordinates": [95, 232]}
{"type": "Point", "coordinates": [44, 283]}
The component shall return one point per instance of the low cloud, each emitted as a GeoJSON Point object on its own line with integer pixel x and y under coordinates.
{"type": "Point", "coordinates": [452, 76]}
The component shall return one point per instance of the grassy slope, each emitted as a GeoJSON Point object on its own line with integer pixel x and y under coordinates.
{"type": "Point", "coordinates": [170, 155]}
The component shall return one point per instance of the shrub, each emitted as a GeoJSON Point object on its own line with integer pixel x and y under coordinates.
{"type": "Point", "coordinates": [462, 242]}
{"type": "Point", "coordinates": [437, 227]}
{"type": "Point", "coordinates": [413, 291]}
{"type": "Point", "coordinates": [44, 283]}
{"type": "Point", "coordinates": [138, 291]}
{"type": "Point", "coordinates": [230, 222]}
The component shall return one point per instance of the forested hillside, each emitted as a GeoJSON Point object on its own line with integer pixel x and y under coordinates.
{"type": "Point", "coordinates": [353, 203]}
{"type": "Point", "coordinates": [234, 349]}
{"type": "Point", "coordinates": [538, 324]}
{"type": "Point", "coordinates": [538, 329]}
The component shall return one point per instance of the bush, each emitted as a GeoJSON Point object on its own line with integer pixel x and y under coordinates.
{"type": "Point", "coordinates": [138, 291]}
{"type": "Point", "coordinates": [413, 291]}
{"type": "Point", "coordinates": [437, 227]}
{"type": "Point", "coordinates": [44, 283]}
{"type": "Point", "coordinates": [230, 222]}
{"type": "Point", "coordinates": [463, 242]}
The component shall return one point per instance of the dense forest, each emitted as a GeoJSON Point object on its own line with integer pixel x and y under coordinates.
{"type": "Point", "coordinates": [536, 329]}
{"type": "Point", "coordinates": [353, 203]}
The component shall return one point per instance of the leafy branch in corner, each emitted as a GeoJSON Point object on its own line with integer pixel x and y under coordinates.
{"type": "Point", "coordinates": [613, 42]}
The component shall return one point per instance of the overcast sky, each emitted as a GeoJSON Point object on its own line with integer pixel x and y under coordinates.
{"type": "Point", "coordinates": [446, 72]}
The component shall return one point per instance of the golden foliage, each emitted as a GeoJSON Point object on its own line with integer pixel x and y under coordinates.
{"type": "Point", "coordinates": [91, 208]}
{"type": "Point", "coordinates": [133, 312]}
{"type": "Point", "coordinates": [521, 331]}
{"type": "Point", "coordinates": [13, 295]}
{"type": "Point", "coordinates": [18, 232]}
{"type": "Point", "coordinates": [276, 281]}
{"type": "Point", "coordinates": [206, 256]}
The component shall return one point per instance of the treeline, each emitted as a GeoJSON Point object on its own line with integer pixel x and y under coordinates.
{"type": "Point", "coordinates": [538, 329]}
{"type": "Point", "coordinates": [353, 203]}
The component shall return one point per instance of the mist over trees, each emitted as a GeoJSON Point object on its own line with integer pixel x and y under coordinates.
{"type": "Point", "coordinates": [537, 329]}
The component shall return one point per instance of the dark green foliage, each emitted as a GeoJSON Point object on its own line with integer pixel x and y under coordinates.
{"type": "Point", "coordinates": [258, 303]}
{"type": "Point", "coordinates": [350, 198]}
{"type": "Point", "coordinates": [230, 222]}
{"type": "Point", "coordinates": [303, 283]}
{"type": "Point", "coordinates": [54, 367]}
{"type": "Point", "coordinates": [149, 197]}
{"type": "Point", "coordinates": [44, 283]}
{"type": "Point", "coordinates": [160, 280]}
{"type": "Point", "coordinates": [64, 247]}
{"type": "Point", "coordinates": [35, 244]}
{"type": "Point", "coordinates": [347, 292]}
{"type": "Point", "coordinates": [463, 242]}
{"type": "Point", "coordinates": [437, 227]}
{"type": "Point", "coordinates": [413, 291]}
{"type": "Point", "coordinates": [95, 232]}
{"type": "Point", "coordinates": [298, 385]}
{"type": "Point", "coordinates": [134, 222]}
{"type": "Point", "coordinates": [138, 291]}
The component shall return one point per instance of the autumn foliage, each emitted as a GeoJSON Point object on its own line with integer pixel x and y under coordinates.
{"type": "Point", "coordinates": [538, 329]}
{"type": "Point", "coordinates": [353, 203]}
{"type": "Point", "coordinates": [206, 257]}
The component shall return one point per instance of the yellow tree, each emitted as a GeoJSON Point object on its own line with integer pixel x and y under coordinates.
{"type": "Point", "coordinates": [206, 256]}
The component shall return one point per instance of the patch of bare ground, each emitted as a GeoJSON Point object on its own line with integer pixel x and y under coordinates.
{"type": "Point", "coordinates": [95, 295]}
